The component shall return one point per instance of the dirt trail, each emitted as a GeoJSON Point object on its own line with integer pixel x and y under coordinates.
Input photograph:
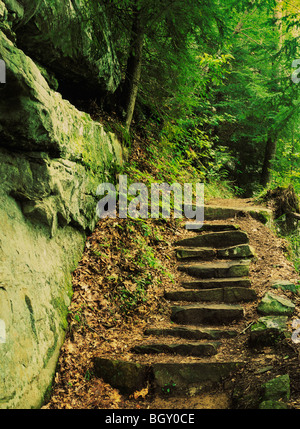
{"type": "Point", "coordinates": [75, 385]}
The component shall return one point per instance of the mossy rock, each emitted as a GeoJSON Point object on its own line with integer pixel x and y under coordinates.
{"type": "Point", "coordinates": [275, 304]}
{"type": "Point", "coordinates": [227, 295]}
{"type": "Point", "coordinates": [277, 388]}
{"type": "Point", "coordinates": [178, 378]}
{"type": "Point", "coordinates": [217, 269]}
{"type": "Point", "coordinates": [268, 331]}
{"type": "Point", "coordinates": [42, 121]}
{"type": "Point", "coordinates": [286, 285]}
{"type": "Point", "coordinates": [273, 405]}
{"type": "Point", "coordinates": [213, 212]}
{"type": "Point", "coordinates": [236, 252]}
{"type": "Point", "coordinates": [127, 377]}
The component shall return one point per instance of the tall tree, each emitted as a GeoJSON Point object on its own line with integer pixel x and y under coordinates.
{"type": "Point", "coordinates": [134, 64]}
{"type": "Point", "coordinates": [150, 23]}
{"type": "Point", "coordinates": [259, 93]}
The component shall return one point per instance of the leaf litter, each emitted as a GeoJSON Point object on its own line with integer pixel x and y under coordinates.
{"type": "Point", "coordinates": [119, 291]}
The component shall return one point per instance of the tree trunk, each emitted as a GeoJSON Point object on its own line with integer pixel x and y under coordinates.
{"type": "Point", "coordinates": [133, 69]}
{"type": "Point", "coordinates": [270, 151]}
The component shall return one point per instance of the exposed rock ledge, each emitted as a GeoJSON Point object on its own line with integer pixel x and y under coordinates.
{"type": "Point", "coordinates": [52, 157]}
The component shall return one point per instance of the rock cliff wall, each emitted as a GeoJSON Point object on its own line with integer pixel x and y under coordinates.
{"type": "Point", "coordinates": [52, 157]}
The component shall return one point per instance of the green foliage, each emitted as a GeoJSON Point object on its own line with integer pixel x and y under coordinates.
{"type": "Point", "coordinates": [168, 388]}
{"type": "Point", "coordinates": [216, 83]}
{"type": "Point", "coordinates": [259, 92]}
{"type": "Point", "coordinates": [130, 290]}
{"type": "Point", "coordinates": [165, 163]}
{"type": "Point", "coordinates": [286, 165]}
{"type": "Point", "coordinates": [294, 253]}
{"type": "Point", "coordinates": [194, 147]}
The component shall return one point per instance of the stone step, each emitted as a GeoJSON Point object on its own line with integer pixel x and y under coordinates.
{"type": "Point", "coordinates": [192, 377]}
{"type": "Point", "coordinates": [217, 283]}
{"type": "Point", "coordinates": [204, 314]}
{"type": "Point", "coordinates": [229, 295]}
{"type": "Point", "coordinates": [215, 239]}
{"type": "Point", "coordinates": [220, 213]}
{"type": "Point", "coordinates": [239, 251]}
{"type": "Point", "coordinates": [187, 349]}
{"type": "Point", "coordinates": [165, 377]}
{"type": "Point", "coordinates": [217, 227]}
{"type": "Point", "coordinates": [196, 253]}
{"type": "Point", "coordinates": [190, 333]}
{"type": "Point", "coordinates": [217, 269]}
{"type": "Point", "coordinates": [262, 214]}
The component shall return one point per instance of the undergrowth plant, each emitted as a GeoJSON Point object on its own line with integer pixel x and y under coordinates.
{"type": "Point", "coordinates": [142, 269]}
{"type": "Point", "coordinates": [161, 163]}
{"type": "Point", "coordinates": [294, 241]}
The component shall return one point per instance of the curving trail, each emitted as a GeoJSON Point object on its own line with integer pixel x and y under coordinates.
{"type": "Point", "coordinates": [210, 344]}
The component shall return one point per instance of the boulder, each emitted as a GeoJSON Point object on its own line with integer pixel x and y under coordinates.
{"type": "Point", "coordinates": [11, 13]}
{"type": "Point", "coordinates": [35, 292]}
{"type": "Point", "coordinates": [286, 285]}
{"type": "Point", "coordinates": [268, 330]}
{"type": "Point", "coordinates": [275, 304]}
{"type": "Point", "coordinates": [51, 193]}
{"type": "Point", "coordinates": [277, 389]}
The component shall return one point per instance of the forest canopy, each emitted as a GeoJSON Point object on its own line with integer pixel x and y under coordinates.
{"type": "Point", "coordinates": [217, 80]}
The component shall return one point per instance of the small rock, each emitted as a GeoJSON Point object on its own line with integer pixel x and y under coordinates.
{"type": "Point", "coordinates": [286, 286]}
{"type": "Point", "coordinates": [277, 388]}
{"type": "Point", "coordinates": [264, 369]}
{"type": "Point", "coordinates": [275, 304]}
{"type": "Point", "coordinates": [268, 330]}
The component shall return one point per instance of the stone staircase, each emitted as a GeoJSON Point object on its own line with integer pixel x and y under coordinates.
{"type": "Point", "coordinates": [214, 269]}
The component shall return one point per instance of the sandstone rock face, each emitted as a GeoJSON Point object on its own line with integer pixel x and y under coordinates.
{"type": "Point", "coordinates": [52, 158]}
{"type": "Point", "coordinates": [35, 291]}
{"type": "Point", "coordinates": [73, 38]}
{"type": "Point", "coordinates": [36, 118]}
